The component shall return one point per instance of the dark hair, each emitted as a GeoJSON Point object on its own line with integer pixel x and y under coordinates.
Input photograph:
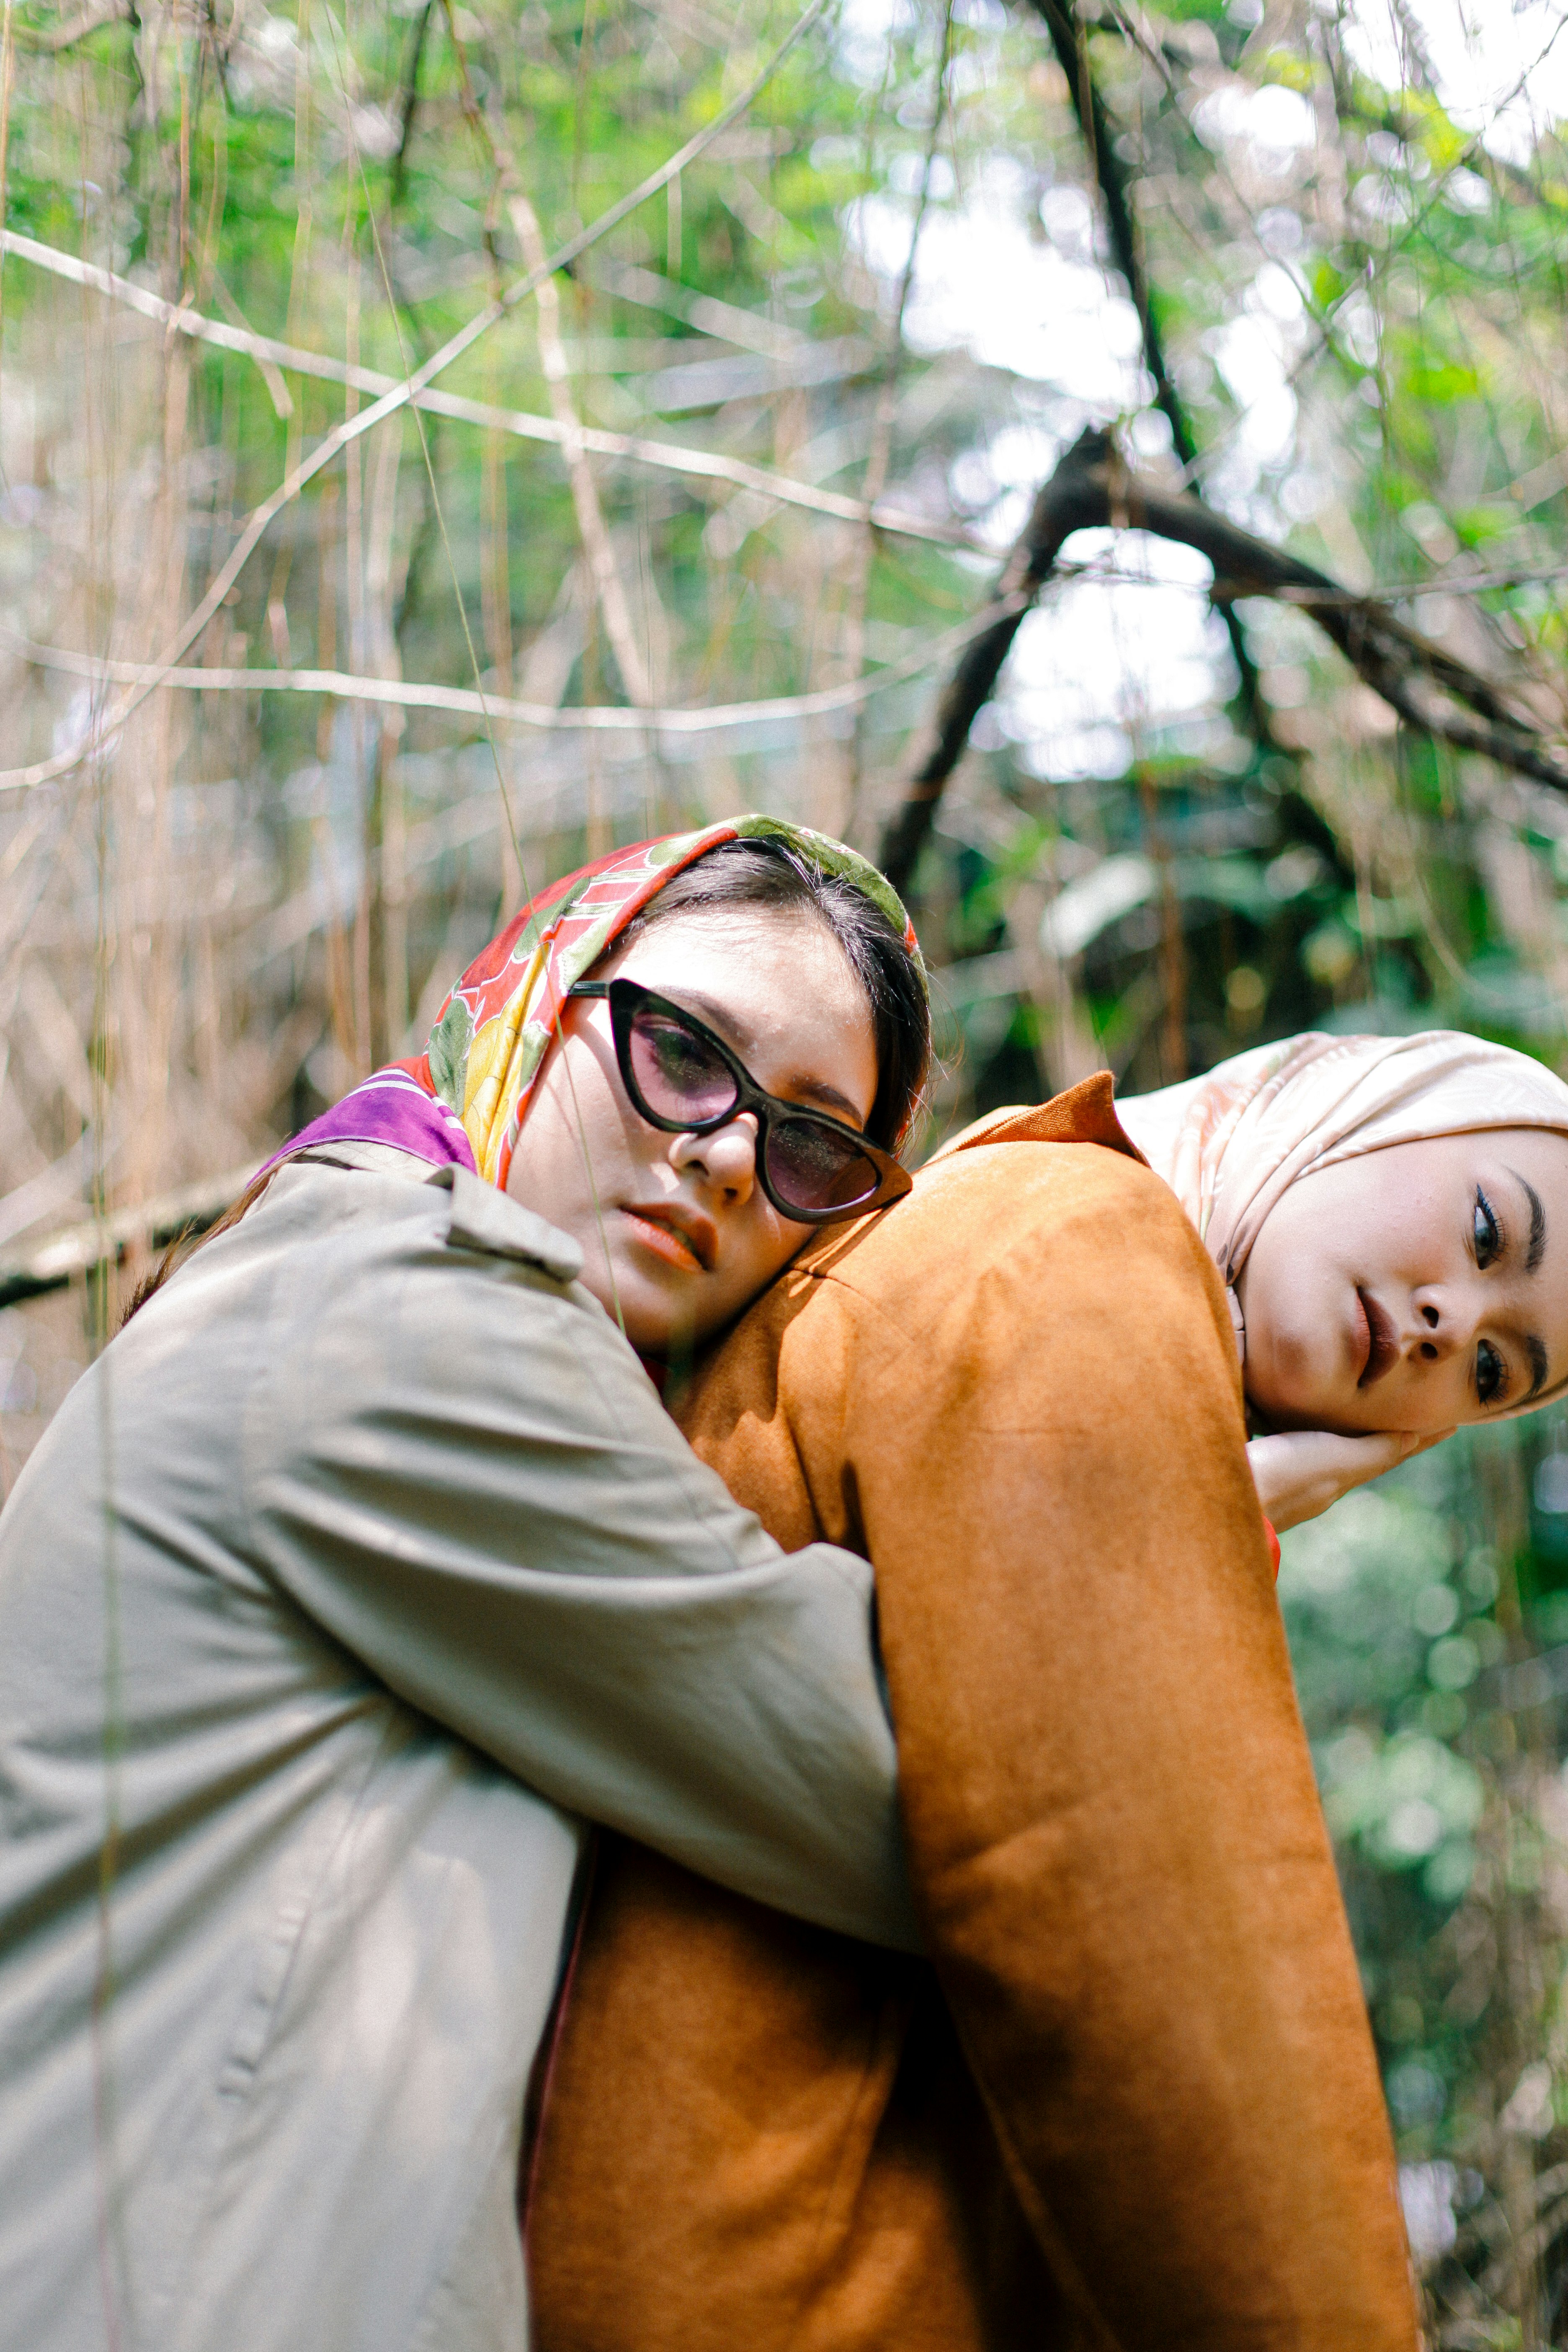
{"type": "Point", "coordinates": [771, 874]}
{"type": "Point", "coordinates": [190, 1236]}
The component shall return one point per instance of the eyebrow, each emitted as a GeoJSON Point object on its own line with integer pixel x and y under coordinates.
{"type": "Point", "coordinates": [814, 1090]}
{"type": "Point", "coordinates": [1536, 1249]}
{"type": "Point", "coordinates": [1536, 1350]}
{"type": "Point", "coordinates": [811, 1089]}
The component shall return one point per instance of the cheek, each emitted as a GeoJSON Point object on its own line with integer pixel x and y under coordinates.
{"type": "Point", "coordinates": [761, 1247]}
{"type": "Point", "coordinates": [1294, 1302]}
{"type": "Point", "coordinates": [573, 1117]}
{"type": "Point", "coordinates": [1287, 1281]}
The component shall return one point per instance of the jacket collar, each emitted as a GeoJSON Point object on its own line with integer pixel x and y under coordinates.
{"type": "Point", "coordinates": [1084, 1114]}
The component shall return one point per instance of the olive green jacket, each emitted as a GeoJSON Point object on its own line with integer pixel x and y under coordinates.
{"type": "Point", "coordinates": [360, 1568]}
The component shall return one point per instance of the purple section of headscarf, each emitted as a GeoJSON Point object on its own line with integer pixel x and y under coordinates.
{"type": "Point", "coordinates": [390, 1108]}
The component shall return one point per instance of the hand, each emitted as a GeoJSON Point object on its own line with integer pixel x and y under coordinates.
{"type": "Point", "coordinates": [1298, 1473]}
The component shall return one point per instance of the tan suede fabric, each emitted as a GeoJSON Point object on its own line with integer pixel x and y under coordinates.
{"type": "Point", "coordinates": [1018, 1391]}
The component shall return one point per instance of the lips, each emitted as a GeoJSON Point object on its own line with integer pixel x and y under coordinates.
{"type": "Point", "coordinates": [681, 1236]}
{"type": "Point", "coordinates": [1382, 1341]}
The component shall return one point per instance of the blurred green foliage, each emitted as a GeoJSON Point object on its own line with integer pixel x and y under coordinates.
{"type": "Point", "coordinates": [1427, 1619]}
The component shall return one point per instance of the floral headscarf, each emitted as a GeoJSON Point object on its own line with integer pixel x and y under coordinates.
{"type": "Point", "coordinates": [464, 1098]}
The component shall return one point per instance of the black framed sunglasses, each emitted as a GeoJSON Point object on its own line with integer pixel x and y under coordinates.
{"type": "Point", "coordinates": [685, 1080]}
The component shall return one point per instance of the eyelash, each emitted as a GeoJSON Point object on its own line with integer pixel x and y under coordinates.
{"type": "Point", "coordinates": [1491, 1248]}
{"type": "Point", "coordinates": [1490, 1242]}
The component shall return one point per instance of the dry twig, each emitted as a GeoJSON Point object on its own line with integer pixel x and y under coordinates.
{"type": "Point", "coordinates": [665, 456]}
{"type": "Point", "coordinates": [1091, 489]}
{"type": "Point", "coordinates": [615, 718]}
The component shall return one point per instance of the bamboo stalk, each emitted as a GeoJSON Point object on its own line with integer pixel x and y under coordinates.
{"type": "Point", "coordinates": [399, 397]}
{"type": "Point", "coordinates": [591, 529]}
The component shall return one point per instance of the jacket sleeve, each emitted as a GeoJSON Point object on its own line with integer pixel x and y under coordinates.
{"type": "Point", "coordinates": [1115, 1841]}
{"type": "Point", "coordinates": [455, 1465]}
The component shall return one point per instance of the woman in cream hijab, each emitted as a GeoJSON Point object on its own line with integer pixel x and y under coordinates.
{"type": "Point", "coordinates": [1390, 1216]}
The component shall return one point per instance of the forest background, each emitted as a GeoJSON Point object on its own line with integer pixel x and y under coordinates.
{"type": "Point", "coordinates": [1241, 715]}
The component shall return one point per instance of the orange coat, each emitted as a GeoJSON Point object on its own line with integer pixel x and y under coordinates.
{"type": "Point", "coordinates": [1131, 2100]}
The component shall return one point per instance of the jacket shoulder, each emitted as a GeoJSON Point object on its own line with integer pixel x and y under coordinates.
{"type": "Point", "coordinates": [487, 1219]}
{"type": "Point", "coordinates": [995, 1201]}
{"type": "Point", "coordinates": [1001, 1256]}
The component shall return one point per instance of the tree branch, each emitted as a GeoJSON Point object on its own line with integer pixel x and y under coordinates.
{"type": "Point", "coordinates": [1072, 500]}
{"type": "Point", "coordinates": [66, 36]}
{"type": "Point", "coordinates": [596, 718]}
{"type": "Point", "coordinates": [408, 103]}
{"type": "Point", "coordinates": [62, 1257]}
{"type": "Point", "coordinates": [1067, 39]}
{"type": "Point", "coordinates": [1091, 489]}
{"type": "Point", "coordinates": [1098, 137]}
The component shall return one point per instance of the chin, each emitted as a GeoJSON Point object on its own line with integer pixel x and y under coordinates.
{"type": "Point", "coordinates": [649, 1326]}
{"type": "Point", "coordinates": [659, 1325]}
{"type": "Point", "coordinates": [1295, 1382]}
{"type": "Point", "coordinates": [648, 1321]}
{"type": "Point", "coordinates": [666, 1322]}
{"type": "Point", "coordinates": [651, 1338]}
{"type": "Point", "coordinates": [1334, 1414]}
{"type": "Point", "coordinates": [1305, 1404]}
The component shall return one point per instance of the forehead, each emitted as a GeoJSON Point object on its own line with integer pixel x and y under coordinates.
{"type": "Point", "coordinates": [738, 954]}
{"type": "Point", "coordinates": [1422, 1193]}
{"type": "Point", "coordinates": [1542, 1150]}
{"type": "Point", "coordinates": [1541, 1153]}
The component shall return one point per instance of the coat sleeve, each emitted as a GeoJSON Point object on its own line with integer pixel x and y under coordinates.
{"type": "Point", "coordinates": [1114, 1836]}
{"type": "Point", "coordinates": [457, 1468]}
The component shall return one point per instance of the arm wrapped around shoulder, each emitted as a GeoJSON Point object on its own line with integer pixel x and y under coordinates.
{"type": "Point", "coordinates": [1114, 1836]}
{"type": "Point", "coordinates": [457, 1468]}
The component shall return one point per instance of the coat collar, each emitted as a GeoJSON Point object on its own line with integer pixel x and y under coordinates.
{"type": "Point", "coordinates": [1083, 1114]}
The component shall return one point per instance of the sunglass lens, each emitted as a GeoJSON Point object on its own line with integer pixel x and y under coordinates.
{"type": "Point", "coordinates": [812, 1168]}
{"type": "Point", "coordinates": [678, 1074]}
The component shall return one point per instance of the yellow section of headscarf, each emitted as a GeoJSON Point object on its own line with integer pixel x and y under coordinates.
{"type": "Point", "coordinates": [499, 1067]}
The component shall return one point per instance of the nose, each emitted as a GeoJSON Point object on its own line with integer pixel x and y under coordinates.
{"type": "Point", "coordinates": [727, 1157]}
{"type": "Point", "coordinates": [1442, 1326]}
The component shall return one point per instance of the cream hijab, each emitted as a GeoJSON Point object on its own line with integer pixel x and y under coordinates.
{"type": "Point", "coordinates": [1230, 1142]}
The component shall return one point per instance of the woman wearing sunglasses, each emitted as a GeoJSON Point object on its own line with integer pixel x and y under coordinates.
{"type": "Point", "coordinates": [365, 1566]}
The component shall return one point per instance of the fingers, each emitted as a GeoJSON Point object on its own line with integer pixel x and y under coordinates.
{"type": "Point", "coordinates": [1324, 1454]}
{"type": "Point", "coordinates": [1412, 1441]}
{"type": "Point", "coordinates": [1358, 1459]}
{"type": "Point", "coordinates": [1392, 1445]}
{"type": "Point", "coordinates": [1400, 1445]}
{"type": "Point", "coordinates": [1299, 1473]}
